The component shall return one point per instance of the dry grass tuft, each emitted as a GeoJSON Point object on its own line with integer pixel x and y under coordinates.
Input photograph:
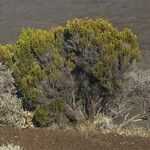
{"type": "Point", "coordinates": [10, 147]}
{"type": "Point", "coordinates": [11, 110]}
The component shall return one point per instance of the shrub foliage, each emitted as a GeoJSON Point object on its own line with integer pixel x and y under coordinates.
{"type": "Point", "coordinates": [83, 60]}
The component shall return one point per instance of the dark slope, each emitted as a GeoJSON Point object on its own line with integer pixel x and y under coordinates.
{"type": "Point", "coordinates": [16, 14]}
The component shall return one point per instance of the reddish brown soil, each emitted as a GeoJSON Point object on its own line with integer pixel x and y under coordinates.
{"type": "Point", "coordinates": [44, 139]}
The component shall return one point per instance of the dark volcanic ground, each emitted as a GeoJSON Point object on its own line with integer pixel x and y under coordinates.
{"type": "Point", "coordinates": [43, 139]}
{"type": "Point", "coordinates": [16, 14]}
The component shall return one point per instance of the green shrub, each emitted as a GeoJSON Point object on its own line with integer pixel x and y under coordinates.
{"type": "Point", "coordinates": [6, 54]}
{"type": "Point", "coordinates": [46, 114]}
{"type": "Point", "coordinates": [85, 58]}
{"type": "Point", "coordinates": [37, 58]}
{"type": "Point", "coordinates": [110, 51]}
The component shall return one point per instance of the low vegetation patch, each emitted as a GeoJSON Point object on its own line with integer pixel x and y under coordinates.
{"type": "Point", "coordinates": [11, 109]}
{"type": "Point", "coordinates": [10, 147]}
{"type": "Point", "coordinates": [104, 124]}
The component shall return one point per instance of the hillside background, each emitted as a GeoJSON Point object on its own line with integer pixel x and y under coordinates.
{"type": "Point", "coordinates": [135, 14]}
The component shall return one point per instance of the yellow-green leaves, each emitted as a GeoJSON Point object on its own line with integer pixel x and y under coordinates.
{"type": "Point", "coordinates": [116, 48]}
{"type": "Point", "coordinates": [100, 50]}
{"type": "Point", "coordinates": [6, 54]}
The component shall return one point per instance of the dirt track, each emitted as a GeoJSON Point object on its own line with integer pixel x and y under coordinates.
{"type": "Point", "coordinates": [16, 14]}
{"type": "Point", "coordinates": [42, 139]}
